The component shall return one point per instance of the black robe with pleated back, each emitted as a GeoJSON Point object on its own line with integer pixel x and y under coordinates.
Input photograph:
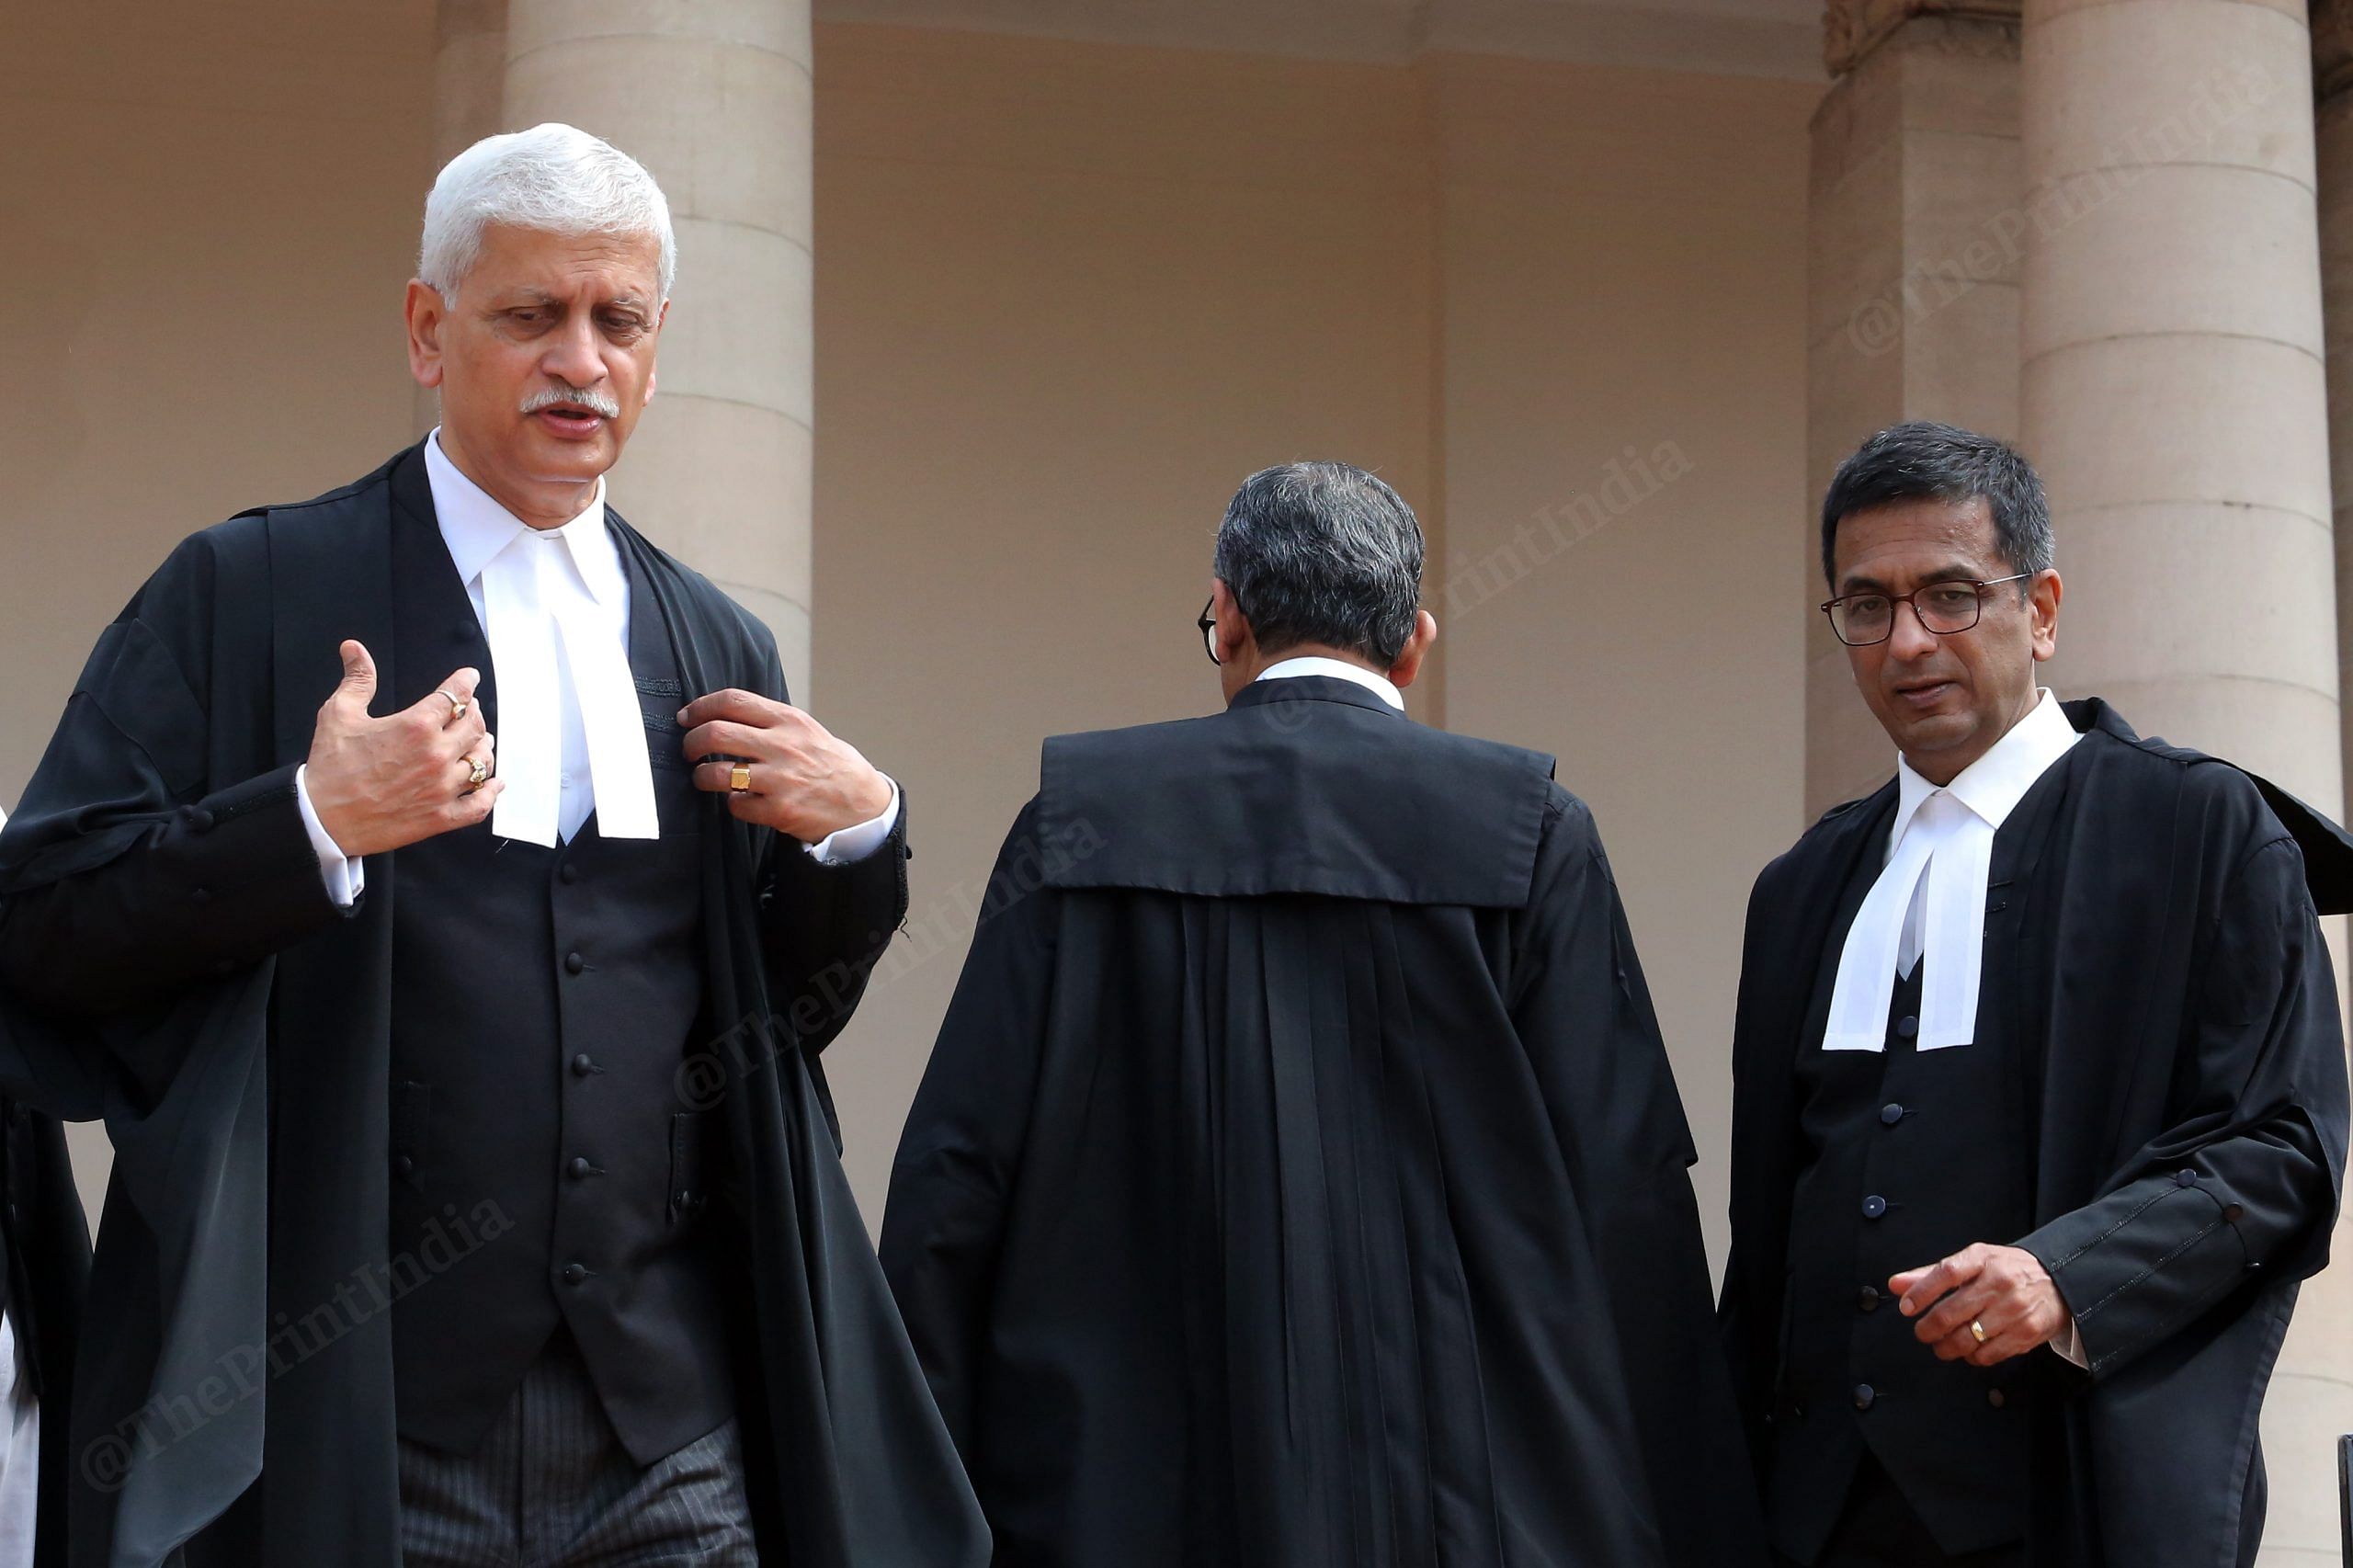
{"type": "Point", "coordinates": [1299, 1180]}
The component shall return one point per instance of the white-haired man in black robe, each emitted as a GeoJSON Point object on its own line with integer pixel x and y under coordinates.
{"type": "Point", "coordinates": [475, 1195]}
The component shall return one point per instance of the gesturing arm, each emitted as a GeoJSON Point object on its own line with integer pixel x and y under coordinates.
{"type": "Point", "coordinates": [119, 888]}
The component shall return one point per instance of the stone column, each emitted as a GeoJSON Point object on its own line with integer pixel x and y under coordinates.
{"type": "Point", "coordinates": [2172, 393]}
{"type": "Point", "coordinates": [2332, 24]}
{"type": "Point", "coordinates": [715, 99]}
{"type": "Point", "coordinates": [1914, 235]}
{"type": "Point", "coordinates": [469, 89]}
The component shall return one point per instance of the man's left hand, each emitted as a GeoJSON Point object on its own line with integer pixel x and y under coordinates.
{"type": "Point", "coordinates": [2005, 1291]}
{"type": "Point", "coordinates": [805, 781]}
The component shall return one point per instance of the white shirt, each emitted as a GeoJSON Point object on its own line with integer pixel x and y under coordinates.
{"type": "Point", "coordinates": [1338, 669]}
{"type": "Point", "coordinates": [19, 1442]}
{"type": "Point", "coordinates": [588, 583]}
{"type": "Point", "coordinates": [1939, 861]}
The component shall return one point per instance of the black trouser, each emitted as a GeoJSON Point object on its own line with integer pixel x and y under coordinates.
{"type": "Point", "coordinates": [1878, 1530]}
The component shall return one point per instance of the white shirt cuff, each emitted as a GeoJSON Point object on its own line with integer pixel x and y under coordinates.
{"type": "Point", "coordinates": [2069, 1343]}
{"type": "Point", "coordinates": [842, 846]}
{"type": "Point", "coordinates": [346, 878]}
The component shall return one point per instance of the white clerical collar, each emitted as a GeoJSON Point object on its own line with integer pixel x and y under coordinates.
{"type": "Point", "coordinates": [477, 528]}
{"type": "Point", "coordinates": [1930, 895]}
{"type": "Point", "coordinates": [1994, 785]}
{"type": "Point", "coordinates": [1338, 669]}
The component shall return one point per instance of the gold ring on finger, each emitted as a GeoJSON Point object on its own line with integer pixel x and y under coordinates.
{"type": "Point", "coordinates": [1977, 1331]}
{"type": "Point", "coordinates": [477, 772]}
{"type": "Point", "coordinates": [739, 778]}
{"type": "Point", "coordinates": [459, 706]}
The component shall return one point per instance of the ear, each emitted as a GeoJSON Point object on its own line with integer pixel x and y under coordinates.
{"type": "Point", "coordinates": [426, 315]}
{"type": "Point", "coordinates": [1234, 637]}
{"type": "Point", "coordinates": [2042, 603]}
{"type": "Point", "coordinates": [1417, 647]}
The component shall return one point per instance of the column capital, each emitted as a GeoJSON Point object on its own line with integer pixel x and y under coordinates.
{"type": "Point", "coordinates": [1852, 29]}
{"type": "Point", "coordinates": [2332, 22]}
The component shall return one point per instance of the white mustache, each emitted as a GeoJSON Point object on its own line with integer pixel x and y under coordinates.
{"type": "Point", "coordinates": [593, 399]}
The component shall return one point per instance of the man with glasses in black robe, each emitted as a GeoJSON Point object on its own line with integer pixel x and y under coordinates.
{"type": "Point", "coordinates": [1299, 1177]}
{"type": "Point", "coordinates": [2039, 1096]}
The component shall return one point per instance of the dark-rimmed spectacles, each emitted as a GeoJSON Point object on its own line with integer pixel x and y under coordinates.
{"type": "Point", "coordinates": [1861, 620]}
{"type": "Point", "coordinates": [1208, 623]}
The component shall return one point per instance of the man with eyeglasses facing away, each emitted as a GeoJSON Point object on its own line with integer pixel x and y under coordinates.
{"type": "Point", "coordinates": [1299, 1179]}
{"type": "Point", "coordinates": [2039, 1097]}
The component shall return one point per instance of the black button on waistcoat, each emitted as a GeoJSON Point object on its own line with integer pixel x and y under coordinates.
{"type": "Point", "coordinates": [1888, 1115]}
{"type": "Point", "coordinates": [574, 963]}
{"type": "Point", "coordinates": [1865, 1396]}
{"type": "Point", "coordinates": [1874, 1206]}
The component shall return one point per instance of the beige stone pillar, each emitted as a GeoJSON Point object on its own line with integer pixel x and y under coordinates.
{"type": "Point", "coordinates": [1915, 235]}
{"type": "Point", "coordinates": [714, 98]}
{"type": "Point", "coordinates": [2332, 24]}
{"type": "Point", "coordinates": [2172, 393]}
{"type": "Point", "coordinates": [469, 88]}
{"type": "Point", "coordinates": [2316, 1401]}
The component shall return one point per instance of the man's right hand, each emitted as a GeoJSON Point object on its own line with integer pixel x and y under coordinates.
{"type": "Point", "coordinates": [377, 784]}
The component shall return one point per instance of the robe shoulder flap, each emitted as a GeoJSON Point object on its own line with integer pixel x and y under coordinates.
{"type": "Point", "coordinates": [1318, 790]}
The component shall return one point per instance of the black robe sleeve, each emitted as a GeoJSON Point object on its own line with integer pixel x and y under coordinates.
{"type": "Point", "coordinates": [122, 882]}
{"type": "Point", "coordinates": [1582, 1011]}
{"type": "Point", "coordinates": [823, 925]}
{"type": "Point", "coordinates": [2240, 1180]}
{"type": "Point", "coordinates": [957, 1158]}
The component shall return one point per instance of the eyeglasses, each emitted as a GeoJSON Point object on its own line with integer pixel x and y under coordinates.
{"type": "Point", "coordinates": [1861, 620]}
{"type": "Point", "coordinates": [1208, 623]}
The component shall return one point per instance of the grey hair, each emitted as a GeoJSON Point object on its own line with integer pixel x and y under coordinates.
{"type": "Point", "coordinates": [552, 177]}
{"type": "Point", "coordinates": [1322, 553]}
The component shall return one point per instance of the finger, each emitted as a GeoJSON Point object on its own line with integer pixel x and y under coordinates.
{"type": "Point", "coordinates": [469, 735]}
{"type": "Point", "coordinates": [2015, 1340]}
{"type": "Point", "coordinates": [737, 706]}
{"type": "Point", "coordinates": [441, 704]}
{"type": "Point", "coordinates": [358, 683]}
{"type": "Point", "coordinates": [1957, 1312]}
{"type": "Point", "coordinates": [719, 778]}
{"type": "Point", "coordinates": [1920, 1288]}
{"type": "Point", "coordinates": [724, 738]}
{"type": "Point", "coordinates": [474, 805]}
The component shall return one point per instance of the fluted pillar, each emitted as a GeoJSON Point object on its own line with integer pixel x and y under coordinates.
{"type": "Point", "coordinates": [2172, 392]}
{"type": "Point", "coordinates": [1914, 232]}
{"type": "Point", "coordinates": [714, 98]}
{"type": "Point", "coordinates": [469, 92]}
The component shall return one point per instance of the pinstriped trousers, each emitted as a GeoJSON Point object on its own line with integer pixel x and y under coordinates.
{"type": "Point", "coordinates": [550, 1487]}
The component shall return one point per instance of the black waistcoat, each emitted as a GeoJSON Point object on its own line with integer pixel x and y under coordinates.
{"type": "Point", "coordinates": [1912, 1155]}
{"type": "Point", "coordinates": [545, 1167]}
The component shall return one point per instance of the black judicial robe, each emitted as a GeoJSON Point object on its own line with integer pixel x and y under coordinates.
{"type": "Point", "coordinates": [2178, 1030]}
{"type": "Point", "coordinates": [235, 1392]}
{"type": "Point", "coordinates": [1299, 1180]}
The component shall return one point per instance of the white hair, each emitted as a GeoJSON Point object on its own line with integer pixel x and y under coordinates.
{"type": "Point", "coordinates": [553, 177]}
